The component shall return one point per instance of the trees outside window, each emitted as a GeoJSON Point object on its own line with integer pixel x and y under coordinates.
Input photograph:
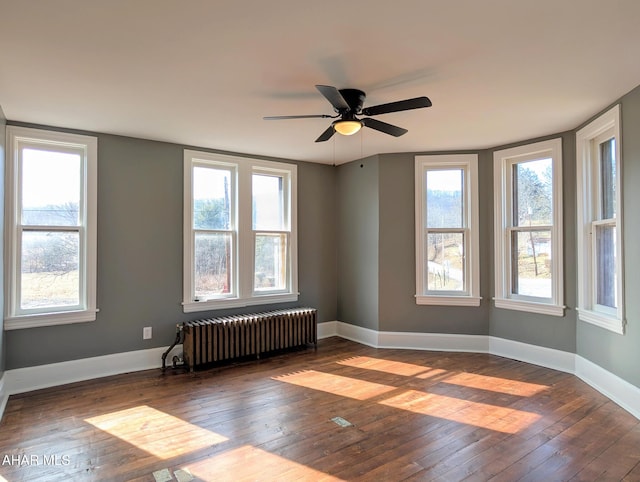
{"type": "Point", "coordinates": [240, 231]}
{"type": "Point", "coordinates": [447, 265]}
{"type": "Point", "coordinates": [51, 228]}
{"type": "Point", "coordinates": [599, 188]}
{"type": "Point", "coordinates": [528, 228]}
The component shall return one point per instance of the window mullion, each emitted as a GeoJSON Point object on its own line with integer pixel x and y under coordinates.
{"type": "Point", "coordinates": [49, 249]}
{"type": "Point", "coordinates": [241, 232]}
{"type": "Point", "coordinates": [525, 197]}
{"type": "Point", "coordinates": [246, 236]}
{"type": "Point", "coordinates": [446, 215]}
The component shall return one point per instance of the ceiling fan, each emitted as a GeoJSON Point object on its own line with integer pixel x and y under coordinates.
{"type": "Point", "coordinates": [347, 103]}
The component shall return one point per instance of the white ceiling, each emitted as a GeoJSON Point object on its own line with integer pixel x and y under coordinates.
{"type": "Point", "coordinates": [205, 72]}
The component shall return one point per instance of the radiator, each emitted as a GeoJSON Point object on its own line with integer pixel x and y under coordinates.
{"type": "Point", "coordinates": [225, 338]}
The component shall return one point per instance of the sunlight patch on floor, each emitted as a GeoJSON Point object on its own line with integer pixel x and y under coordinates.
{"type": "Point", "coordinates": [155, 432]}
{"type": "Point", "coordinates": [386, 366]}
{"type": "Point", "coordinates": [336, 384]}
{"type": "Point", "coordinates": [495, 384]}
{"type": "Point", "coordinates": [492, 417]}
{"type": "Point", "coordinates": [251, 463]}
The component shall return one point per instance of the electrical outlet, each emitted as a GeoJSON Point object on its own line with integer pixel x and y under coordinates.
{"type": "Point", "coordinates": [146, 333]}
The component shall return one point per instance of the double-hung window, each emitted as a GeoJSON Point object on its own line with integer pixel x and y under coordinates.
{"type": "Point", "coordinates": [51, 228]}
{"type": "Point", "coordinates": [599, 177]}
{"type": "Point", "coordinates": [528, 228]}
{"type": "Point", "coordinates": [446, 207]}
{"type": "Point", "coordinates": [240, 241]}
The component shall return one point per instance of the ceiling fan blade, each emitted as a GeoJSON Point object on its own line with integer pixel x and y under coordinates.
{"type": "Point", "coordinates": [326, 135]}
{"type": "Point", "coordinates": [390, 129]}
{"type": "Point", "coordinates": [334, 96]}
{"type": "Point", "coordinates": [280, 117]}
{"type": "Point", "coordinates": [417, 103]}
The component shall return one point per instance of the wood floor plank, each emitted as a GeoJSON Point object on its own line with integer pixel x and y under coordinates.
{"type": "Point", "coordinates": [414, 415]}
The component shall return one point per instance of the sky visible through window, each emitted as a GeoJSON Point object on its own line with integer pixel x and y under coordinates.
{"type": "Point", "coordinates": [49, 178]}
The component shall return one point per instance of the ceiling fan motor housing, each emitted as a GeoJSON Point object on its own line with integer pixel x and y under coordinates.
{"type": "Point", "coordinates": [354, 98]}
{"type": "Point", "coordinates": [347, 103]}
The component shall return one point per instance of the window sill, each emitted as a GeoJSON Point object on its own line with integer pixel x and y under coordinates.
{"type": "Point", "coordinates": [448, 300]}
{"type": "Point", "coordinates": [530, 307]}
{"type": "Point", "coordinates": [610, 323]}
{"type": "Point", "coordinates": [209, 305]}
{"type": "Point", "coordinates": [49, 319]}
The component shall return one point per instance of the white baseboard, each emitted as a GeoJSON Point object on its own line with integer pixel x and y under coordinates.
{"type": "Point", "coordinates": [364, 336]}
{"type": "Point", "coordinates": [613, 387]}
{"type": "Point", "coordinates": [433, 341]}
{"type": "Point", "coordinates": [621, 392]}
{"type": "Point", "coordinates": [27, 379]}
{"type": "Point", "coordinates": [618, 390]}
{"type": "Point", "coordinates": [537, 355]}
{"type": "Point", "coordinates": [4, 395]}
{"type": "Point", "coordinates": [327, 329]}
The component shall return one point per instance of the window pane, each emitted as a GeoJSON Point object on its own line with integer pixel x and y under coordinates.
{"type": "Point", "coordinates": [606, 265]}
{"type": "Point", "coordinates": [212, 264]}
{"type": "Point", "coordinates": [268, 202]}
{"type": "Point", "coordinates": [444, 198]}
{"type": "Point", "coordinates": [531, 263]}
{"type": "Point", "coordinates": [211, 198]}
{"type": "Point", "coordinates": [608, 178]}
{"type": "Point", "coordinates": [49, 269]}
{"type": "Point", "coordinates": [445, 262]}
{"type": "Point", "coordinates": [533, 193]}
{"type": "Point", "coordinates": [50, 188]}
{"type": "Point", "coordinates": [271, 262]}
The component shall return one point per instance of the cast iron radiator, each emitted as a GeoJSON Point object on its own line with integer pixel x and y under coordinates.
{"type": "Point", "coordinates": [217, 339]}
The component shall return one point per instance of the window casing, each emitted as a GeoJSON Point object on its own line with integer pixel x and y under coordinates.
{"type": "Point", "coordinates": [599, 223]}
{"type": "Point", "coordinates": [447, 240]}
{"type": "Point", "coordinates": [51, 219]}
{"type": "Point", "coordinates": [528, 228]}
{"type": "Point", "coordinates": [240, 236]}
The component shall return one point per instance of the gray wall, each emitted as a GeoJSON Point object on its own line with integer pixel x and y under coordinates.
{"type": "Point", "coordinates": [140, 255]}
{"type": "Point", "coordinates": [398, 309]}
{"type": "Point", "coordinates": [356, 259]}
{"type": "Point", "coordinates": [383, 201]}
{"type": "Point", "coordinates": [620, 354]}
{"type": "Point", "coordinates": [535, 329]}
{"type": "Point", "coordinates": [3, 137]}
{"type": "Point", "coordinates": [358, 228]}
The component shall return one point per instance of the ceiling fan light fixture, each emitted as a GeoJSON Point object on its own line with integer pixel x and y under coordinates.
{"type": "Point", "coordinates": [347, 103]}
{"type": "Point", "coordinates": [347, 127]}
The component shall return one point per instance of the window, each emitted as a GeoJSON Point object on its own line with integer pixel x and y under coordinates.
{"type": "Point", "coordinates": [599, 174]}
{"type": "Point", "coordinates": [51, 228]}
{"type": "Point", "coordinates": [239, 233]}
{"type": "Point", "coordinates": [528, 228]}
{"type": "Point", "coordinates": [447, 261]}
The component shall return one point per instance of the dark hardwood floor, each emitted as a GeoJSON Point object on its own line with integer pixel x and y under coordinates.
{"type": "Point", "coordinates": [413, 415]}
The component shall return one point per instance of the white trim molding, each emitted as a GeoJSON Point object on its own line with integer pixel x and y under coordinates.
{"type": "Point", "coordinates": [507, 223]}
{"type": "Point", "coordinates": [590, 217]}
{"type": "Point", "coordinates": [465, 291]}
{"type": "Point", "coordinates": [239, 231]}
{"type": "Point", "coordinates": [537, 355]}
{"type": "Point", "coordinates": [613, 387]}
{"type": "Point", "coordinates": [4, 395]}
{"type": "Point", "coordinates": [327, 329]}
{"type": "Point", "coordinates": [20, 380]}
{"type": "Point", "coordinates": [21, 141]}
{"type": "Point", "coordinates": [623, 393]}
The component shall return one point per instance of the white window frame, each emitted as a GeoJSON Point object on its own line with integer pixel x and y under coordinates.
{"type": "Point", "coordinates": [243, 292]}
{"type": "Point", "coordinates": [468, 163]}
{"type": "Point", "coordinates": [588, 194]}
{"type": "Point", "coordinates": [87, 147]}
{"type": "Point", "coordinates": [503, 162]}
